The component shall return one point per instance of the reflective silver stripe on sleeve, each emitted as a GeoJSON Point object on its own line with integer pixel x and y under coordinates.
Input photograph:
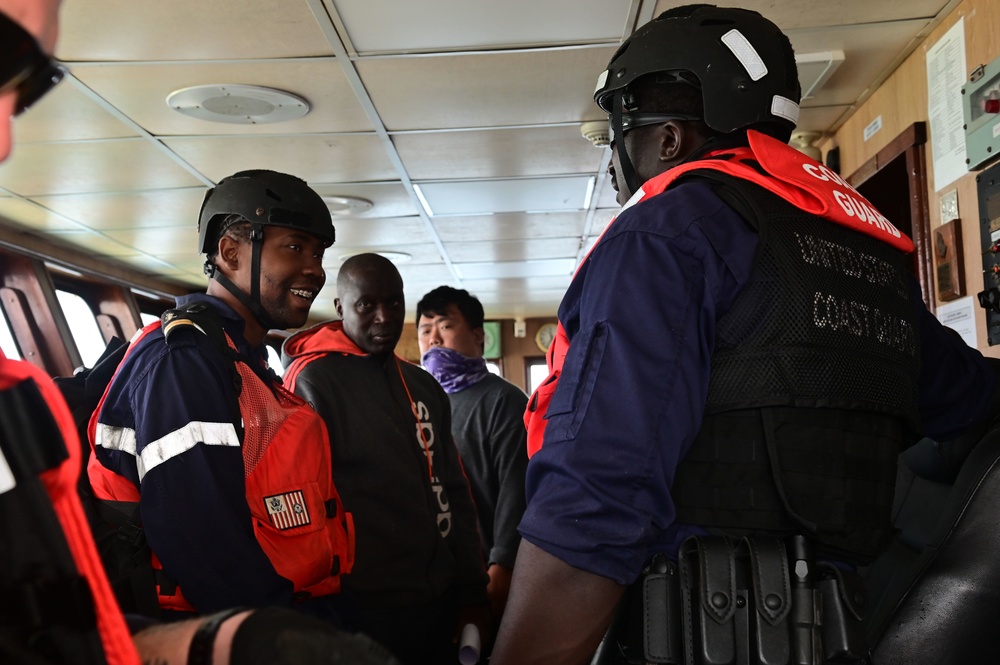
{"type": "Point", "coordinates": [184, 439]}
{"type": "Point", "coordinates": [745, 53]}
{"type": "Point", "coordinates": [121, 439]}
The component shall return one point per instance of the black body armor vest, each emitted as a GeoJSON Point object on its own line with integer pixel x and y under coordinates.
{"type": "Point", "coordinates": [813, 387]}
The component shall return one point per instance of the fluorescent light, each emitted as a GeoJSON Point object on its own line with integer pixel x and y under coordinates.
{"type": "Point", "coordinates": [423, 201]}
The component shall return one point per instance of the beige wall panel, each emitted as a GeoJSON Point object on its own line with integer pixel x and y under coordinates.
{"type": "Point", "coordinates": [901, 101]}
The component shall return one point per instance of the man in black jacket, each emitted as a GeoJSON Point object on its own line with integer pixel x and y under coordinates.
{"type": "Point", "coordinates": [418, 575]}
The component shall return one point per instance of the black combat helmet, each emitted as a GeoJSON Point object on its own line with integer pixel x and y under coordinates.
{"type": "Point", "coordinates": [263, 198]}
{"type": "Point", "coordinates": [741, 62]}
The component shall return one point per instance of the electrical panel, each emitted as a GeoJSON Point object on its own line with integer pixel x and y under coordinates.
{"type": "Point", "coordinates": [988, 186]}
{"type": "Point", "coordinates": [981, 108]}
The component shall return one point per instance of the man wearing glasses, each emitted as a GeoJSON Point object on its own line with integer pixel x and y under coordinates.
{"type": "Point", "coordinates": [27, 39]}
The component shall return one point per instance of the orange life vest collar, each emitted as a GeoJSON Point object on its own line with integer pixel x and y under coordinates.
{"type": "Point", "coordinates": [803, 182]}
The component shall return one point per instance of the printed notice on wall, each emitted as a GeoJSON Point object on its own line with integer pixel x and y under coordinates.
{"type": "Point", "coordinates": [946, 75]}
{"type": "Point", "coordinates": [960, 316]}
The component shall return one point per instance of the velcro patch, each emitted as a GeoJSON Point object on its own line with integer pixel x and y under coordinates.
{"type": "Point", "coordinates": [287, 510]}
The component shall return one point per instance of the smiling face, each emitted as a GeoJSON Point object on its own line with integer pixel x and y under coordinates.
{"type": "Point", "coordinates": [291, 274]}
{"type": "Point", "coordinates": [370, 303]}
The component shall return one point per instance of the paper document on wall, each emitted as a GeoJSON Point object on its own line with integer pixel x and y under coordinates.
{"type": "Point", "coordinates": [946, 75]}
{"type": "Point", "coordinates": [960, 316]}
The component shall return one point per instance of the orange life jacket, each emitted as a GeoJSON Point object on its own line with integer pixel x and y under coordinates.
{"type": "Point", "coordinates": [298, 518]}
{"type": "Point", "coordinates": [803, 182]}
{"type": "Point", "coordinates": [60, 483]}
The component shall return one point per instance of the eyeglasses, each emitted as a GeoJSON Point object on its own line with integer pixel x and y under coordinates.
{"type": "Point", "coordinates": [633, 120]}
{"type": "Point", "coordinates": [24, 67]}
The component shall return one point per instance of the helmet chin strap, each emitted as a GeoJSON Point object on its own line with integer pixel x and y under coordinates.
{"type": "Point", "coordinates": [252, 301]}
{"type": "Point", "coordinates": [624, 163]}
{"type": "Point", "coordinates": [719, 142]}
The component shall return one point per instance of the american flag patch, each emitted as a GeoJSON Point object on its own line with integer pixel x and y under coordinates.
{"type": "Point", "coordinates": [287, 510]}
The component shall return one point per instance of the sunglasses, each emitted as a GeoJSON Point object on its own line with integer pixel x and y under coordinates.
{"type": "Point", "coordinates": [633, 120]}
{"type": "Point", "coordinates": [24, 67]}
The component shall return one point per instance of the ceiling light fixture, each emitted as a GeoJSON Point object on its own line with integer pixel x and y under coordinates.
{"type": "Point", "coordinates": [347, 205]}
{"type": "Point", "coordinates": [395, 257]}
{"type": "Point", "coordinates": [423, 200]}
{"type": "Point", "coordinates": [237, 104]}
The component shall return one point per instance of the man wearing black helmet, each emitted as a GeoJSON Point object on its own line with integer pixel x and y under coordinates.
{"type": "Point", "coordinates": [231, 472]}
{"type": "Point", "coordinates": [745, 328]}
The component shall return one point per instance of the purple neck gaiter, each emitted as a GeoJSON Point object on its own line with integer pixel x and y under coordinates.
{"type": "Point", "coordinates": [452, 370]}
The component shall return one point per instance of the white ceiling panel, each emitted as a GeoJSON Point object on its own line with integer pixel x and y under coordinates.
{"type": "Point", "coordinates": [538, 268]}
{"type": "Point", "coordinates": [88, 167]}
{"type": "Point", "coordinates": [449, 25]}
{"type": "Point", "coordinates": [514, 285]}
{"type": "Point", "coordinates": [370, 232]}
{"type": "Point", "coordinates": [68, 114]}
{"type": "Point", "coordinates": [192, 266]}
{"type": "Point", "coordinates": [869, 52]}
{"type": "Point", "coordinates": [99, 245]}
{"type": "Point", "coordinates": [140, 91]}
{"type": "Point", "coordinates": [792, 14]}
{"type": "Point", "coordinates": [514, 250]}
{"type": "Point", "coordinates": [511, 226]}
{"type": "Point", "coordinates": [388, 199]}
{"type": "Point", "coordinates": [428, 273]}
{"type": "Point", "coordinates": [410, 92]}
{"type": "Point", "coordinates": [478, 197]}
{"type": "Point", "coordinates": [822, 116]}
{"type": "Point", "coordinates": [319, 159]}
{"type": "Point", "coordinates": [162, 241]}
{"type": "Point", "coordinates": [27, 214]}
{"type": "Point", "coordinates": [112, 30]}
{"type": "Point", "coordinates": [409, 253]}
{"type": "Point", "coordinates": [190, 275]}
{"type": "Point", "coordinates": [480, 104]}
{"type": "Point", "coordinates": [498, 153]}
{"type": "Point", "coordinates": [174, 208]}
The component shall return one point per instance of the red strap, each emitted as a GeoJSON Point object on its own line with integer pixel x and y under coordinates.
{"type": "Point", "coordinates": [60, 484]}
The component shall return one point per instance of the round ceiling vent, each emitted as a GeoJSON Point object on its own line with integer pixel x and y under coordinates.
{"type": "Point", "coordinates": [395, 257]}
{"type": "Point", "coordinates": [237, 104]}
{"type": "Point", "coordinates": [347, 205]}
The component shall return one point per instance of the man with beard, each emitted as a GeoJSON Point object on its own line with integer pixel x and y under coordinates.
{"type": "Point", "coordinates": [419, 576]}
{"type": "Point", "coordinates": [231, 472]}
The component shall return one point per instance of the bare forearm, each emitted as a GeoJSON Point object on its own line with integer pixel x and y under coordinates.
{"type": "Point", "coordinates": [556, 614]}
{"type": "Point", "coordinates": [169, 643]}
